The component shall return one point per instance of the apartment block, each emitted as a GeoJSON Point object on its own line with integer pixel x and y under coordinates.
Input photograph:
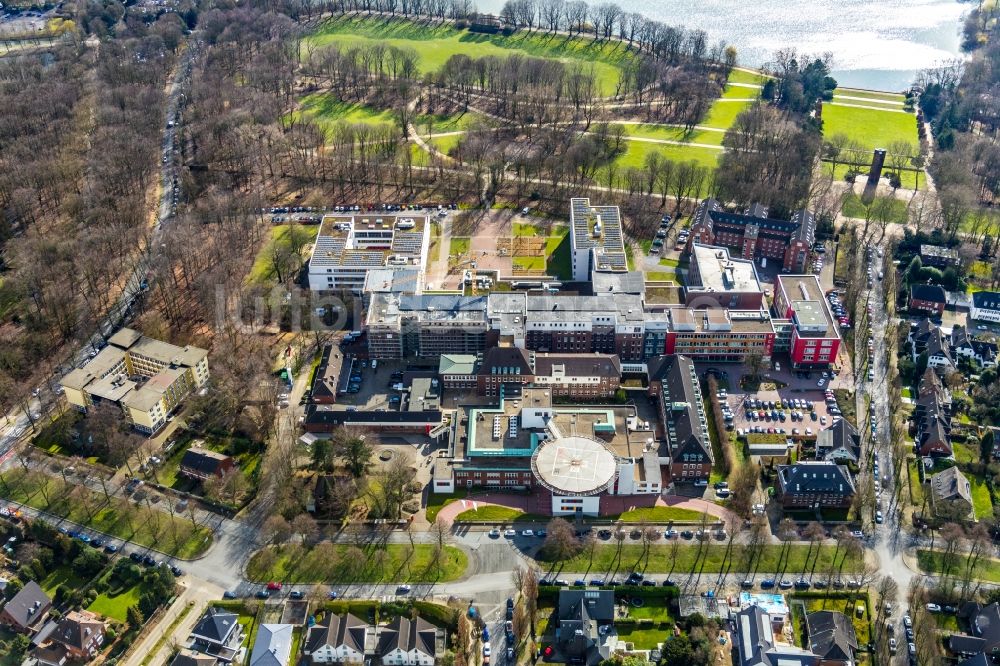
{"type": "Point", "coordinates": [146, 378]}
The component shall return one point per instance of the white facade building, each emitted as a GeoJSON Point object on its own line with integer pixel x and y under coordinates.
{"type": "Point", "coordinates": [349, 247]}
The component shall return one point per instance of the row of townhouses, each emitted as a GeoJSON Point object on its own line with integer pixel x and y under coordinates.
{"type": "Point", "coordinates": [218, 639]}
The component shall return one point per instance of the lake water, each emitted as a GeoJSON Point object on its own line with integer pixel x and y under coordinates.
{"type": "Point", "coordinates": [879, 44]}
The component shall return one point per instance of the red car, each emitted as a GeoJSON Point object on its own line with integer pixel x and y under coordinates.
{"type": "Point", "coordinates": [273, 586]}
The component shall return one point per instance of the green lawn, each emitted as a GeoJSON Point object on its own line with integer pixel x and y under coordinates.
{"type": "Point", "coordinates": [115, 603]}
{"type": "Point", "coordinates": [146, 527]}
{"type": "Point", "coordinates": [434, 44]}
{"type": "Point", "coordinates": [438, 123]}
{"type": "Point", "coordinates": [874, 95]}
{"type": "Point", "coordinates": [459, 246]}
{"type": "Point", "coordinates": [870, 128]}
{"type": "Point", "coordinates": [710, 560]}
{"type": "Point", "coordinates": [529, 263]}
{"type": "Point", "coordinates": [723, 114]}
{"type": "Point", "coordinates": [642, 636]}
{"type": "Point", "coordinates": [558, 262]}
{"type": "Point", "coordinates": [853, 207]}
{"type": "Point", "coordinates": [991, 226]}
{"type": "Point", "coordinates": [965, 453]}
{"type": "Point", "coordinates": [910, 179]}
{"type": "Point", "coordinates": [288, 235]}
{"type": "Point", "coordinates": [916, 488]}
{"type": "Point", "coordinates": [931, 562]}
{"type": "Point", "coordinates": [741, 76]}
{"type": "Point", "coordinates": [342, 564]}
{"type": "Point", "coordinates": [668, 133]}
{"type": "Point", "coordinates": [527, 229]}
{"type": "Point", "coordinates": [436, 502]}
{"type": "Point", "coordinates": [64, 576]}
{"type": "Point", "coordinates": [981, 500]}
{"type": "Point", "coordinates": [661, 276]}
{"type": "Point", "coordinates": [668, 261]}
{"type": "Point", "coordinates": [489, 513]}
{"type": "Point", "coordinates": [662, 514]}
{"type": "Point", "coordinates": [327, 110]}
{"type": "Point", "coordinates": [636, 151]}
{"type": "Point", "coordinates": [445, 144]}
{"type": "Point", "coordinates": [739, 92]}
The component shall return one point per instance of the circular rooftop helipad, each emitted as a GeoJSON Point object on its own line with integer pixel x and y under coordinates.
{"type": "Point", "coordinates": [574, 465]}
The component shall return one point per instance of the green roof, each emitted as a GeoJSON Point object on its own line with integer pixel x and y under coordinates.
{"type": "Point", "coordinates": [457, 364]}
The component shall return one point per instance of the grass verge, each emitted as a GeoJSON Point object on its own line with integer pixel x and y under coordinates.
{"type": "Point", "coordinates": [661, 514]}
{"type": "Point", "coordinates": [328, 562]}
{"type": "Point", "coordinates": [708, 558]}
{"type": "Point", "coordinates": [120, 518]}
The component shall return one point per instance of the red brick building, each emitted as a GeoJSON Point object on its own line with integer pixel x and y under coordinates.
{"type": "Point", "coordinates": [928, 298]}
{"type": "Point", "coordinates": [815, 335]}
{"type": "Point", "coordinates": [754, 235]}
{"type": "Point", "coordinates": [674, 383]}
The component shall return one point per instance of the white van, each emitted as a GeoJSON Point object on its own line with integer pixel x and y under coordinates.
{"type": "Point", "coordinates": [374, 363]}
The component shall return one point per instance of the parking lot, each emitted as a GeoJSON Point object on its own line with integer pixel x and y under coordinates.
{"type": "Point", "coordinates": [798, 413]}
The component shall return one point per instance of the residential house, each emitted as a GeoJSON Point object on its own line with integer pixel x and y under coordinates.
{"type": "Point", "coordinates": [583, 635]}
{"type": "Point", "coordinates": [919, 334]}
{"type": "Point", "coordinates": [201, 464]}
{"type": "Point", "coordinates": [985, 306]}
{"type": "Point", "coordinates": [191, 658]}
{"type": "Point", "coordinates": [324, 386]}
{"type": "Point", "coordinates": [674, 383]}
{"type": "Point", "coordinates": [951, 495]}
{"type": "Point", "coordinates": [51, 654]}
{"type": "Point", "coordinates": [928, 298]}
{"type": "Point", "coordinates": [978, 659]}
{"type": "Point", "coordinates": [81, 633]}
{"type": "Point", "coordinates": [26, 609]}
{"type": "Point", "coordinates": [273, 645]}
{"type": "Point", "coordinates": [931, 383]}
{"type": "Point", "coordinates": [405, 642]}
{"type": "Point", "coordinates": [938, 256]}
{"type": "Point", "coordinates": [933, 437]}
{"type": "Point", "coordinates": [938, 352]}
{"type": "Point", "coordinates": [217, 633]}
{"type": "Point", "coordinates": [964, 345]}
{"type": "Point", "coordinates": [984, 637]}
{"type": "Point", "coordinates": [832, 638]}
{"type": "Point", "coordinates": [815, 484]}
{"type": "Point", "coordinates": [338, 639]}
{"type": "Point", "coordinates": [759, 645]}
{"type": "Point", "coordinates": [840, 443]}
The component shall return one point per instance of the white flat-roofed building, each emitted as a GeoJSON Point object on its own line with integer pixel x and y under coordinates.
{"type": "Point", "coordinates": [596, 240]}
{"type": "Point", "coordinates": [349, 247]}
{"type": "Point", "coordinates": [715, 278]}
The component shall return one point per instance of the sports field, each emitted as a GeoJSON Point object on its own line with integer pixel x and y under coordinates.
{"type": "Point", "coordinates": [434, 44]}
